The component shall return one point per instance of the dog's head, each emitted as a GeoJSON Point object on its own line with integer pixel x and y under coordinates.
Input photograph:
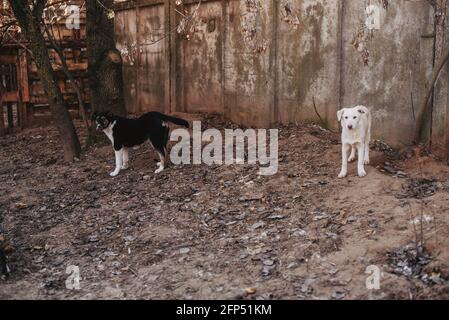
{"type": "Point", "coordinates": [350, 118]}
{"type": "Point", "coordinates": [102, 120]}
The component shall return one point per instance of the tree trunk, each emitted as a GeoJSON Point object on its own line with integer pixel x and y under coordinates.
{"type": "Point", "coordinates": [105, 61]}
{"type": "Point", "coordinates": [29, 21]}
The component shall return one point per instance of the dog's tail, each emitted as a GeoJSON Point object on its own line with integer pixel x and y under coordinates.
{"type": "Point", "coordinates": [178, 121]}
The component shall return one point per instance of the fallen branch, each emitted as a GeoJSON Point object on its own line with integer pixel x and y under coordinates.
{"type": "Point", "coordinates": [316, 111]}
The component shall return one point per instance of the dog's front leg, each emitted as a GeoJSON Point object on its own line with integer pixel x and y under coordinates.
{"type": "Point", "coordinates": [118, 162]}
{"type": "Point", "coordinates": [361, 163]}
{"type": "Point", "coordinates": [344, 168]}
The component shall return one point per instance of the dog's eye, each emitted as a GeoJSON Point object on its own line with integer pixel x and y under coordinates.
{"type": "Point", "coordinates": [355, 118]}
{"type": "Point", "coordinates": [346, 118]}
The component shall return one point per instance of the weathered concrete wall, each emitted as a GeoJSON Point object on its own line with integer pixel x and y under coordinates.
{"type": "Point", "coordinates": [126, 35]}
{"type": "Point", "coordinates": [400, 61]}
{"type": "Point", "coordinates": [308, 61]}
{"type": "Point", "coordinates": [439, 120]}
{"type": "Point", "coordinates": [202, 61]}
{"type": "Point", "coordinates": [152, 63]}
{"type": "Point", "coordinates": [140, 36]}
{"type": "Point", "coordinates": [267, 62]}
{"type": "Point", "coordinates": [249, 63]}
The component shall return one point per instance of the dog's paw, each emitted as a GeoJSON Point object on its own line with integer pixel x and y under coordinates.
{"type": "Point", "coordinates": [366, 161]}
{"type": "Point", "coordinates": [125, 166]}
{"type": "Point", "coordinates": [159, 170]}
{"type": "Point", "coordinates": [342, 175]}
{"type": "Point", "coordinates": [114, 174]}
{"type": "Point", "coordinates": [362, 173]}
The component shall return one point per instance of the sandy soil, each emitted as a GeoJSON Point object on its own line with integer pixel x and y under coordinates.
{"type": "Point", "coordinates": [199, 232]}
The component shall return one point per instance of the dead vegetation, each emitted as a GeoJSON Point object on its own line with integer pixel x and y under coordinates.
{"type": "Point", "coordinates": [220, 232]}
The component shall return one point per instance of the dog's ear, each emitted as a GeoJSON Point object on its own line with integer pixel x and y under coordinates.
{"type": "Point", "coordinates": [340, 114]}
{"type": "Point", "coordinates": [109, 114]}
{"type": "Point", "coordinates": [363, 110]}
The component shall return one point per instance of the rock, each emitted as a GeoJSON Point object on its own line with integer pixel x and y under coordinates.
{"type": "Point", "coordinates": [184, 250]}
{"type": "Point", "coordinates": [268, 262]}
{"type": "Point", "coordinates": [257, 225]}
{"type": "Point", "coordinates": [338, 295]}
{"type": "Point", "coordinates": [250, 291]}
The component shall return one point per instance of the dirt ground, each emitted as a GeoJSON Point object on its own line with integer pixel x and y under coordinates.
{"type": "Point", "coordinates": [223, 232]}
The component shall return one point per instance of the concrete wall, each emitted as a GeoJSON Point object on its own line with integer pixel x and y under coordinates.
{"type": "Point", "coordinates": [268, 64]}
{"type": "Point", "coordinates": [439, 119]}
{"type": "Point", "coordinates": [400, 62]}
{"type": "Point", "coordinates": [309, 62]}
{"type": "Point", "coordinates": [202, 61]}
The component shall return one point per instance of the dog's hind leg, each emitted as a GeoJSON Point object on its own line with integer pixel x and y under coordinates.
{"type": "Point", "coordinates": [118, 162]}
{"type": "Point", "coordinates": [161, 149]}
{"type": "Point", "coordinates": [366, 160]}
{"type": "Point", "coordinates": [125, 159]}
{"type": "Point", "coordinates": [161, 164]}
{"type": "Point", "coordinates": [159, 142]}
{"type": "Point", "coordinates": [353, 154]}
{"type": "Point", "coordinates": [368, 139]}
{"type": "Point", "coordinates": [367, 149]}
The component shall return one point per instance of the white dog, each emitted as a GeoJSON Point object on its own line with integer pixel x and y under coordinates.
{"type": "Point", "coordinates": [356, 136]}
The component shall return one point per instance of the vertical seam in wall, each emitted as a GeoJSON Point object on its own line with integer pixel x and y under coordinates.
{"type": "Point", "coordinates": [275, 111]}
{"type": "Point", "coordinates": [167, 99]}
{"type": "Point", "coordinates": [174, 106]}
{"type": "Point", "coordinates": [138, 106]}
{"type": "Point", "coordinates": [180, 64]}
{"type": "Point", "coordinates": [432, 98]}
{"type": "Point", "coordinates": [224, 11]}
{"type": "Point", "coordinates": [340, 60]}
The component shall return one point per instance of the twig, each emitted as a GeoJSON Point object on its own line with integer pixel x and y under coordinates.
{"type": "Point", "coordinates": [185, 19]}
{"type": "Point", "coordinates": [412, 219]}
{"type": "Point", "coordinates": [323, 123]}
{"type": "Point", "coordinates": [20, 44]}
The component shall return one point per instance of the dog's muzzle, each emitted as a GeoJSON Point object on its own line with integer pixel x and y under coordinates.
{"type": "Point", "coordinates": [99, 128]}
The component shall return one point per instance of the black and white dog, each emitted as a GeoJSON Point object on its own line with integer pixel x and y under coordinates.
{"type": "Point", "coordinates": [128, 133]}
{"type": "Point", "coordinates": [4, 248]}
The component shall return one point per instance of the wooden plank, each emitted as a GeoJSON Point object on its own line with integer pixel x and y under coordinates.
{"type": "Point", "coordinates": [10, 97]}
{"type": "Point", "coordinates": [128, 5]}
{"type": "Point", "coordinates": [2, 120]}
{"type": "Point", "coordinates": [138, 58]}
{"type": "Point", "coordinates": [23, 69]}
{"type": "Point", "coordinates": [8, 59]}
{"type": "Point", "coordinates": [275, 62]}
{"type": "Point", "coordinates": [224, 15]}
{"type": "Point", "coordinates": [21, 113]}
{"type": "Point", "coordinates": [176, 79]}
{"type": "Point", "coordinates": [10, 115]}
{"type": "Point", "coordinates": [167, 27]}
